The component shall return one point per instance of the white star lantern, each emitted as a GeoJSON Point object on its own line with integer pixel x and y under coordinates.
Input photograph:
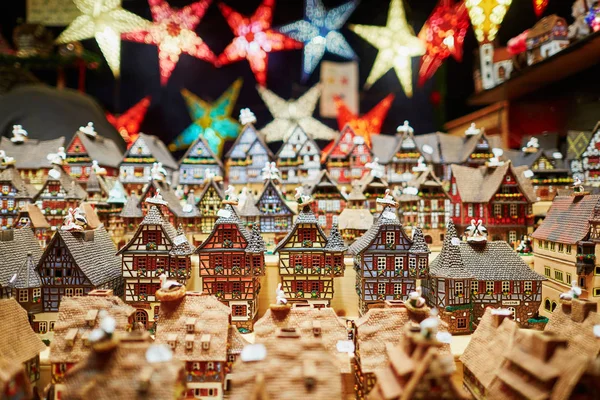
{"type": "Point", "coordinates": [289, 113]}
{"type": "Point", "coordinates": [103, 20]}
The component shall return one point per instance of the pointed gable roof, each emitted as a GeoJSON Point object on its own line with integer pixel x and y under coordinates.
{"type": "Point", "coordinates": [72, 188]}
{"type": "Point", "coordinates": [153, 217]}
{"type": "Point", "coordinates": [16, 253]}
{"type": "Point", "coordinates": [305, 217]}
{"type": "Point", "coordinates": [231, 219]}
{"type": "Point", "coordinates": [116, 194]}
{"type": "Point", "coordinates": [157, 149]}
{"type": "Point", "coordinates": [181, 245]}
{"type": "Point", "coordinates": [335, 241]}
{"type": "Point", "coordinates": [200, 149]}
{"type": "Point", "coordinates": [173, 202]}
{"type": "Point", "coordinates": [11, 174]}
{"type": "Point", "coordinates": [324, 180]}
{"type": "Point", "coordinates": [248, 209]}
{"type": "Point", "coordinates": [248, 138]}
{"type": "Point", "coordinates": [256, 243]}
{"type": "Point", "coordinates": [19, 342]}
{"type": "Point", "coordinates": [270, 184]}
{"type": "Point", "coordinates": [346, 132]}
{"type": "Point", "coordinates": [207, 186]}
{"type": "Point", "coordinates": [132, 208]}
{"type": "Point", "coordinates": [36, 218]}
{"type": "Point", "coordinates": [388, 217]}
{"type": "Point", "coordinates": [99, 148]}
{"type": "Point", "coordinates": [449, 262]}
{"type": "Point", "coordinates": [289, 150]}
{"type": "Point", "coordinates": [428, 179]}
{"type": "Point", "coordinates": [418, 242]}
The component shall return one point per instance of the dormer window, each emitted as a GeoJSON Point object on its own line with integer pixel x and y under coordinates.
{"type": "Point", "coordinates": [189, 342]}
{"type": "Point", "coordinates": [190, 325]}
{"type": "Point", "coordinates": [390, 237]}
{"type": "Point", "coordinates": [172, 340]}
{"type": "Point", "coordinates": [205, 340]}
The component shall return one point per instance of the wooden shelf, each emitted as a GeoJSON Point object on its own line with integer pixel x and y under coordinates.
{"type": "Point", "coordinates": [579, 56]}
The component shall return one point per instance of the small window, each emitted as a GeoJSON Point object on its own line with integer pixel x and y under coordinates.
{"type": "Point", "coordinates": [459, 289]}
{"type": "Point", "coordinates": [547, 305]}
{"type": "Point", "coordinates": [528, 286]}
{"type": "Point", "coordinates": [561, 247]}
{"type": "Point", "coordinates": [568, 281]}
{"type": "Point", "coordinates": [513, 210]}
{"type": "Point", "coordinates": [453, 189]}
{"type": "Point", "coordinates": [390, 237]}
{"type": "Point", "coordinates": [399, 263]}
{"type": "Point", "coordinates": [552, 246]}
{"type": "Point", "coordinates": [596, 292]}
{"type": "Point", "coordinates": [381, 288]}
{"type": "Point", "coordinates": [37, 292]}
{"type": "Point", "coordinates": [461, 323]}
{"type": "Point", "coordinates": [597, 271]}
{"type": "Point", "coordinates": [470, 210]}
{"type": "Point", "coordinates": [546, 244]}
{"type": "Point", "coordinates": [412, 262]}
{"type": "Point", "coordinates": [52, 326]}
{"type": "Point", "coordinates": [505, 287]}
{"type": "Point", "coordinates": [381, 263]}
{"type": "Point", "coordinates": [43, 327]}
{"type": "Point", "coordinates": [547, 271]}
{"type": "Point", "coordinates": [210, 366]}
{"type": "Point", "coordinates": [196, 366]}
{"type": "Point", "coordinates": [568, 251]}
{"type": "Point", "coordinates": [397, 288]}
{"type": "Point", "coordinates": [539, 243]}
{"type": "Point", "coordinates": [512, 236]}
{"type": "Point", "coordinates": [422, 263]}
{"type": "Point", "coordinates": [231, 358]}
{"type": "Point", "coordinates": [78, 291]}
{"type": "Point", "coordinates": [457, 210]}
{"type": "Point", "coordinates": [558, 275]}
{"type": "Point", "coordinates": [489, 286]}
{"type": "Point", "coordinates": [69, 292]}
{"type": "Point", "coordinates": [23, 295]}
{"type": "Point", "coordinates": [474, 287]}
{"type": "Point", "coordinates": [498, 210]}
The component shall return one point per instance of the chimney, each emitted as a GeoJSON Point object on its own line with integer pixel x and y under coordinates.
{"type": "Point", "coordinates": [288, 333]}
{"type": "Point", "coordinates": [309, 373]}
{"type": "Point", "coordinates": [190, 325]}
{"type": "Point", "coordinates": [580, 309]}
{"type": "Point", "coordinates": [7, 235]}
{"type": "Point", "coordinates": [544, 344]}
{"type": "Point", "coordinates": [316, 327]}
{"type": "Point", "coordinates": [88, 236]}
{"type": "Point", "coordinates": [205, 340]}
{"type": "Point", "coordinates": [498, 315]}
{"type": "Point", "coordinates": [189, 341]}
{"type": "Point", "coordinates": [101, 293]}
{"type": "Point", "coordinates": [90, 317]}
{"type": "Point", "coordinates": [172, 340]}
{"type": "Point", "coordinates": [70, 337]}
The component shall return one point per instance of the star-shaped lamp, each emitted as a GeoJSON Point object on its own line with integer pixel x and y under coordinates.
{"type": "Point", "coordinates": [173, 34]}
{"type": "Point", "coordinates": [254, 39]}
{"type": "Point", "coordinates": [444, 35]}
{"type": "Point", "coordinates": [128, 123]}
{"type": "Point", "coordinates": [539, 6]}
{"type": "Point", "coordinates": [486, 17]}
{"type": "Point", "coordinates": [367, 124]}
{"type": "Point", "coordinates": [212, 121]}
{"type": "Point", "coordinates": [396, 43]}
{"type": "Point", "coordinates": [289, 113]}
{"type": "Point", "coordinates": [104, 20]}
{"type": "Point", "coordinates": [319, 33]}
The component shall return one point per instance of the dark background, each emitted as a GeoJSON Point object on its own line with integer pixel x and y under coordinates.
{"type": "Point", "coordinates": [168, 116]}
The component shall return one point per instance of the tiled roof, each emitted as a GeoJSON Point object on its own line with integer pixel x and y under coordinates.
{"type": "Point", "coordinates": [168, 195]}
{"type": "Point", "coordinates": [384, 147]}
{"type": "Point", "coordinates": [237, 341]}
{"type": "Point", "coordinates": [567, 219]}
{"type": "Point", "coordinates": [418, 242]}
{"type": "Point", "coordinates": [72, 188]}
{"type": "Point", "coordinates": [19, 342]}
{"type": "Point", "coordinates": [520, 158]}
{"type": "Point", "coordinates": [324, 180]}
{"type": "Point", "coordinates": [449, 262]}
{"type": "Point", "coordinates": [159, 151]}
{"type": "Point", "coordinates": [356, 193]}
{"type": "Point", "coordinates": [132, 209]}
{"type": "Point", "coordinates": [259, 138]}
{"type": "Point", "coordinates": [93, 221]}
{"type": "Point", "coordinates": [13, 253]}
{"type": "Point", "coordinates": [211, 184]}
{"type": "Point", "coordinates": [27, 275]}
{"type": "Point", "coordinates": [388, 217]}
{"type": "Point", "coordinates": [335, 241]}
{"type": "Point", "coordinates": [256, 243]}
{"type": "Point", "coordinates": [32, 211]}
{"type": "Point", "coordinates": [184, 248]}
{"type": "Point", "coordinates": [567, 322]}
{"type": "Point", "coordinates": [155, 217]}
{"type": "Point", "coordinates": [33, 153]}
{"type": "Point", "coordinates": [355, 218]}
{"type": "Point", "coordinates": [11, 174]}
{"type": "Point", "coordinates": [284, 204]}
{"type": "Point", "coordinates": [93, 183]}
{"type": "Point", "coordinates": [96, 257]}
{"type": "Point", "coordinates": [305, 217]}
{"type": "Point", "coordinates": [101, 149]}
{"type": "Point", "coordinates": [10, 372]}
{"type": "Point", "coordinates": [211, 318]}
{"type": "Point", "coordinates": [249, 209]}
{"type": "Point", "coordinates": [206, 146]}
{"type": "Point", "coordinates": [431, 140]}
{"type": "Point", "coordinates": [116, 192]}
{"type": "Point", "coordinates": [72, 314]}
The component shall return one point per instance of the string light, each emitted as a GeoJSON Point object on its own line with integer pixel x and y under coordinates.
{"type": "Point", "coordinates": [212, 121]}
{"type": "Point", "coordinates": [289, 113]}
{"type": "Point", "coordinates": [539, 6]}
{"type": "Point", "coordinates": [444, 34]}
{"type": "Point", "coordinates": [254, 39]}
{"type": "Point", "coordinates": [396, 43]}
{"type": "Point", "coordinates": [173, 33]}
{"type": "Point", "coordinates": [104, 20]}
{"type": "Point", "coordinates": [128, 123]}
{"type": "Point", "coordinates": [319, 33]}
{"type": "Point", "coordinates": [486, 17]}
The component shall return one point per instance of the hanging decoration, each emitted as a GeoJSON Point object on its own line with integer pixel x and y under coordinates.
{"type": "Point", "coordinates": [319, 33]}
{"type": "Point", "coordinates": [396, 43]}
{"type": "Point", "coordinates": [486, 17]}
{"type": "Point", "coordinates": [173, 33]}
{"type": "Point", "coordinates": [104, 20]}
{"type": "Point", "coordinates": [254, 39]}
{"type": "Point", "coordinates": [444, 34]}
{"type": "Point", "coordinates": [212, 121]}
{"type": "Point", "coordinates": [369, 123]}
{"type": "Point", "coordinates": [289, 113]}
{"type": "Point", "coordinates": [539, 6]}
{"type": "Point", "coordinates": [128, 123]}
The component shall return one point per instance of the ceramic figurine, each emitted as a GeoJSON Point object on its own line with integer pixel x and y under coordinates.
{"type": "Point", "coordinates": [329, 199]}
{"type": "Point", "coordinates": [19, 134]}
{"type": "Point", "coordinates": [298, 159]}
{"type": "Point", "coordinates": [346, 158]}
{"type": "Point", "coordinates": [199, 165]}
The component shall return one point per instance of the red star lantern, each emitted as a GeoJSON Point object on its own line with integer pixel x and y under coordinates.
{"type": "Point", "coordinates": [444, 35]}
{"type": "Point", "coordinates": [539, 6]}
{"type": "Point", "coordinates": [173, 33]}
{"type": "Point", "coordinates": [254, 39]}
{"type": "Point", "coordinates": [128, 123]}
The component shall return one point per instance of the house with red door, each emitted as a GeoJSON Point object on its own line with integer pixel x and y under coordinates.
{"type": "Point", "coordinates": [231, 263]}
{"type": "Point", "coordinates": [500, 196]}
{"type": "Point", "coordinates": [347, 158]}
{"type": "Point", "coordinates": [329, 200]}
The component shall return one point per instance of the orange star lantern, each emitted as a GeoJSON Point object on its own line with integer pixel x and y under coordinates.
{"type": "Point", "coordinates": [254, 39]}
{"type": "Point", "coordinates": [539, 6]}
{"type": "Point", "coordinates": [367, 125]}
{"type": "Point", "coordinates": [128, 123]}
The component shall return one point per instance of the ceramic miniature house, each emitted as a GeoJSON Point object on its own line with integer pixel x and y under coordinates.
{"type": "Point", "coordinates": [247, 210]}
{"type": "Point", "coordinates": [85, 147]}
{"type": "Point", "coordinates": [31, 216]}
{"type": "Point", "coordinates": [348, 156]}
{"type": "Point", "coordinates": [131, 214]}
{"type": "Point", "coordinates": [574, 320]}
{"type": "Point", "coordinates": [587, 166]}
{"type": "Point", "coordinates": [231, 263]}
{"type": "Point", "coordinates": [355, 219]}
{"type": "Point", "coordinates": [388, 263]}
{"type": "Point", "coordinates": [135, 169]}
{"type": "Point", "coordinates": [275, 214]}
{"type": "Point", "coordinates": [108, 197]}
{"type": "Point", "coordinates": [405, 156]}
{"type": "Point", "coordinates": [500, 196]}
{"type": "Point", "coordinates": [209, 202]}
{"type": "Point", "coordinates": [329, 200]}
{"type": "Point", "coordinates": [198, 161]}
{"type": "Point", "coordinates": [373, 187]}
{"type": "Point", "coordinates": [548, 37]}
{"type": "Point", "coordinates": [299, 158]}
{"type": "Point", "coordinates": [30, 156]}
{"type": "Point", "coordinates": [156, 248]}
{"type": "Point", "coordinates": [14, 194]}
{"type": "Point", "coordinates": [309, 260]}
{"type": "Point", "coordinates": [246, 158]}
{"type": "Point", "coordinates": [14, 381]}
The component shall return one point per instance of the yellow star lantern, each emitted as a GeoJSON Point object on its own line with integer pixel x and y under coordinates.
{"type": "Point", "coordinates": [486, 17]}
{"type": "Point", "coordinates": [396, 43]}
{"type": "Point", "coordinates": [103, 20]}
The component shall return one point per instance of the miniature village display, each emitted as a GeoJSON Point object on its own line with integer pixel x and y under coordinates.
{"type": "Point", "coordinates": [209, 202]}
{"type": "Point", "coordinates": [298, 159]}
{"type": "Point", "coordinates": [14, 193]}
{"type": "Point", "coordinates": [197, 165]}
{"type": "Point", "coordinates": [275, 214]}
{"type": "Point", "coordinates": [546, 38]}
{"type": "Point", "coordinates": [31, 216]}
{"type": "Point", "coordinates": [329, 200]}
{"type": "Point", "coordinates": [355, 219]}
{"type": "Point", "coordinates": [347, 157]}
{"type": "Point", "coordinates": [586, 167]}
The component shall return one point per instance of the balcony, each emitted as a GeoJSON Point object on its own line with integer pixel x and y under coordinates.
{"type": "Point", "coordinates": [585, 263]}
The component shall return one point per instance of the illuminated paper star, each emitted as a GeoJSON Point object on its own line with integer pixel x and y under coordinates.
{"type": "Point", "coordinates": [289, 113]}
{"type": "Point", "coordinates": [212, 121]}
{"type": "Point", "coordinates": [539, 6]}
{"type": "Point", "coordinates": [444, 34]}
{"type": "Point", "coordinates": [319, 32]}
{"type": "Point", "coordinates": [173, 33]}
{"type": "Point", "coordinates": [128, 123]}
{"type": "Point", "coordinates": [254, 39]}
{"type": "Point", "coordinates": [104, 20]}
{"type": "Point", "coordinates": [368, 124]}
{"type": "Point", "coordinates": [486, 17]}
{"type": "Point", "coordinates": [396, 43]}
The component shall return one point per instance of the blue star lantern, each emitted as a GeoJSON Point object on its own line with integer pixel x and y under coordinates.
{"type": "Point", "coordinates": [319, 32]}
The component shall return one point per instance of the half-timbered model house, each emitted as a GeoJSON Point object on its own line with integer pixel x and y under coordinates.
{"type": "Point", "coordinates": [198, 164]}
{"type": "Point", "coordinates": [290, 368]}
{"type": "Point", "coordinates": [247, 210]}
{"type": "Point", "coordinates": [88, 146]}
{"type": "Point", "coordinates": [405, 156]}
{"type": "Point", "coordinates": [373, 187]}
{"type": "Point", "coordinates": [19, 344]}
{"type": "Point", "coordinates": [275, 214]}
{"type": "Point", "coordinates": [355, 219]}
{"type": "Point", "coordinates": [231, 263]}
{"type": "Point", "coordinates": [311, 323]}
{"type": "Point", "coordinates": [14, 194]}
{"type": "Point", "coordinates": [329, 200]}
{"type": "Point", "coordinates": [131, 214]}
{"type": "Point", "coordinates": [58, 194]}
{"type": "Point", "coordinates": [135, 169]}
{"type": "Point", "coordinates": [309, 260]}
{"type": "Point", "coordinates": [197, 329]}
{"type": "Point", "coordinates": [209, 203]}
{"type": "Point", "coordinates": [587, 166]}
{"type": "Point", "coordinates": [469, 276]}
{"type": "Point", "coordinates": [378, 329]}
{"type": "Point", "coordinates": [387, 262]}
{"type": "Point", "coordinates": [424, 202]}
{"type": "Point", "coordinates": [347, 158]}
{"type": "Point", "coordinates": [299, 158]}
{"type": "Point", "coordinates": [31, 157]}
{"type": "Point", "coordinates": [501, 197]}
{"type": "Point", "coordinates": [246, 159]}
{"type": "Point", "coordinates": [31, 216]}
{"type": "Point", "coordinates": [77, 317]}
{"type": "Point", "coordinates": [156, 248]}
{"type": "Point", "coordinates": [108, 197]}
{"type": "Point", "coordinates": [14, 383]}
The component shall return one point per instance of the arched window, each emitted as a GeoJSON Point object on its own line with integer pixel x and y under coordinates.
{"type": "Point", "coordinates": [141, 316]}
{"type": "Point", "coordinates": [553, 306]}
{"type": "Point", "coordinates": [547, 305]}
